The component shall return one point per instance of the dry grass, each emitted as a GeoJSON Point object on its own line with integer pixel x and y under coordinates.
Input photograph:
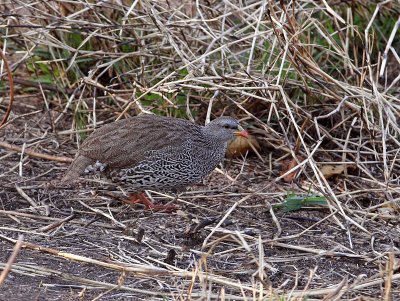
{"type": "Point", "coordinates": [317, 82]}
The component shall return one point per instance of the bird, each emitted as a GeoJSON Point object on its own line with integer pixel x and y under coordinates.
{"type": "Point", "coordinates": [152, 152]}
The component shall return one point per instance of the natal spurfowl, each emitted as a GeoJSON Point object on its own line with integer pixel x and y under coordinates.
{"type": "Point", "coordinates": [154, 152]}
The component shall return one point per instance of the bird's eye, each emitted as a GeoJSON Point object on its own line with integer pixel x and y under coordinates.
{"type": "Point", "coordinates": [230, 126]}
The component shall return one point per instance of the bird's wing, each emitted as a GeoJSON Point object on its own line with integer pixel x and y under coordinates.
{"type": "Point", "coordinates": [123, 143]}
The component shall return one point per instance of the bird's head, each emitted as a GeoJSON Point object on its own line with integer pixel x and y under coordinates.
{"type": "Point", "coordinates": [225, 129]}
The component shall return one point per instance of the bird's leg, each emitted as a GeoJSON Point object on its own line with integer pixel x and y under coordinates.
{"type": "Point", "coordinates": [140, 198]}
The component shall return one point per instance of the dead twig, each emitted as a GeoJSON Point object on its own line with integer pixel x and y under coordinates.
{"type": "Point", "coordinates": [11, 259]}
{"type": "Point", "coordinates": [34, 154]}
{"type": "Point", "coordinates": [10, 80]}
{"type": "Point", "coordinates": [30, 83]}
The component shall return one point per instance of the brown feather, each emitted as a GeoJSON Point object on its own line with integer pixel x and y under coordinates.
{"type": "Point", "coordinates": [123, 143]}
{"type": "Point", "coordinates": [154, 152]}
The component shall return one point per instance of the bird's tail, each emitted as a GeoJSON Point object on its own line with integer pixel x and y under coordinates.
{"type": "Point", "coordinates": [76, 169]}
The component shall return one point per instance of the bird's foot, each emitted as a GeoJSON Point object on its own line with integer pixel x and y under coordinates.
{"type": "Point", "coordinates": [140, 198]}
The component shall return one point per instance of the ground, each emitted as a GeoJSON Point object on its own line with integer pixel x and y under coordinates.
{"type": "Point", "coordinates": [107, 250]}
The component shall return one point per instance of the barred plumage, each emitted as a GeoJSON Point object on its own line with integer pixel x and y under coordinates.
{"type": "Point", "coordinates": [154, 152]}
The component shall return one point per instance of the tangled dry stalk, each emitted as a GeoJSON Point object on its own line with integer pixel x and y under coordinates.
{"type": "Point", "coordinates": [316, 82]}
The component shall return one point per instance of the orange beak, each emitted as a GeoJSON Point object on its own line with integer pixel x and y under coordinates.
{"type": "Point", "coordinates": [242, 133]}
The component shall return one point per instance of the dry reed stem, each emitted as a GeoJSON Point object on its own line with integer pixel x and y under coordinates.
{"type": "Point", "coordinates": [4, 62]}
{"type": "Point", "coordinates": [8, 267]}
{"type": "Point", "coordinates": [305, 77]}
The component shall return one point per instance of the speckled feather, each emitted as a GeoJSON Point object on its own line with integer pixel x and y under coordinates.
{"type": "Point", "coordinates": [154, 152]}
{"type": "Point", "coordinates": [123, 143]}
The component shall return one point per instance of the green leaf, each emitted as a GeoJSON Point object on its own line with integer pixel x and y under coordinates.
{"type": "Point", "coordinates": [295, 202]}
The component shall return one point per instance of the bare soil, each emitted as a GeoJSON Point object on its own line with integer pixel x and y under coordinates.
{"type": "Point", "coordinates": [310, 249]}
